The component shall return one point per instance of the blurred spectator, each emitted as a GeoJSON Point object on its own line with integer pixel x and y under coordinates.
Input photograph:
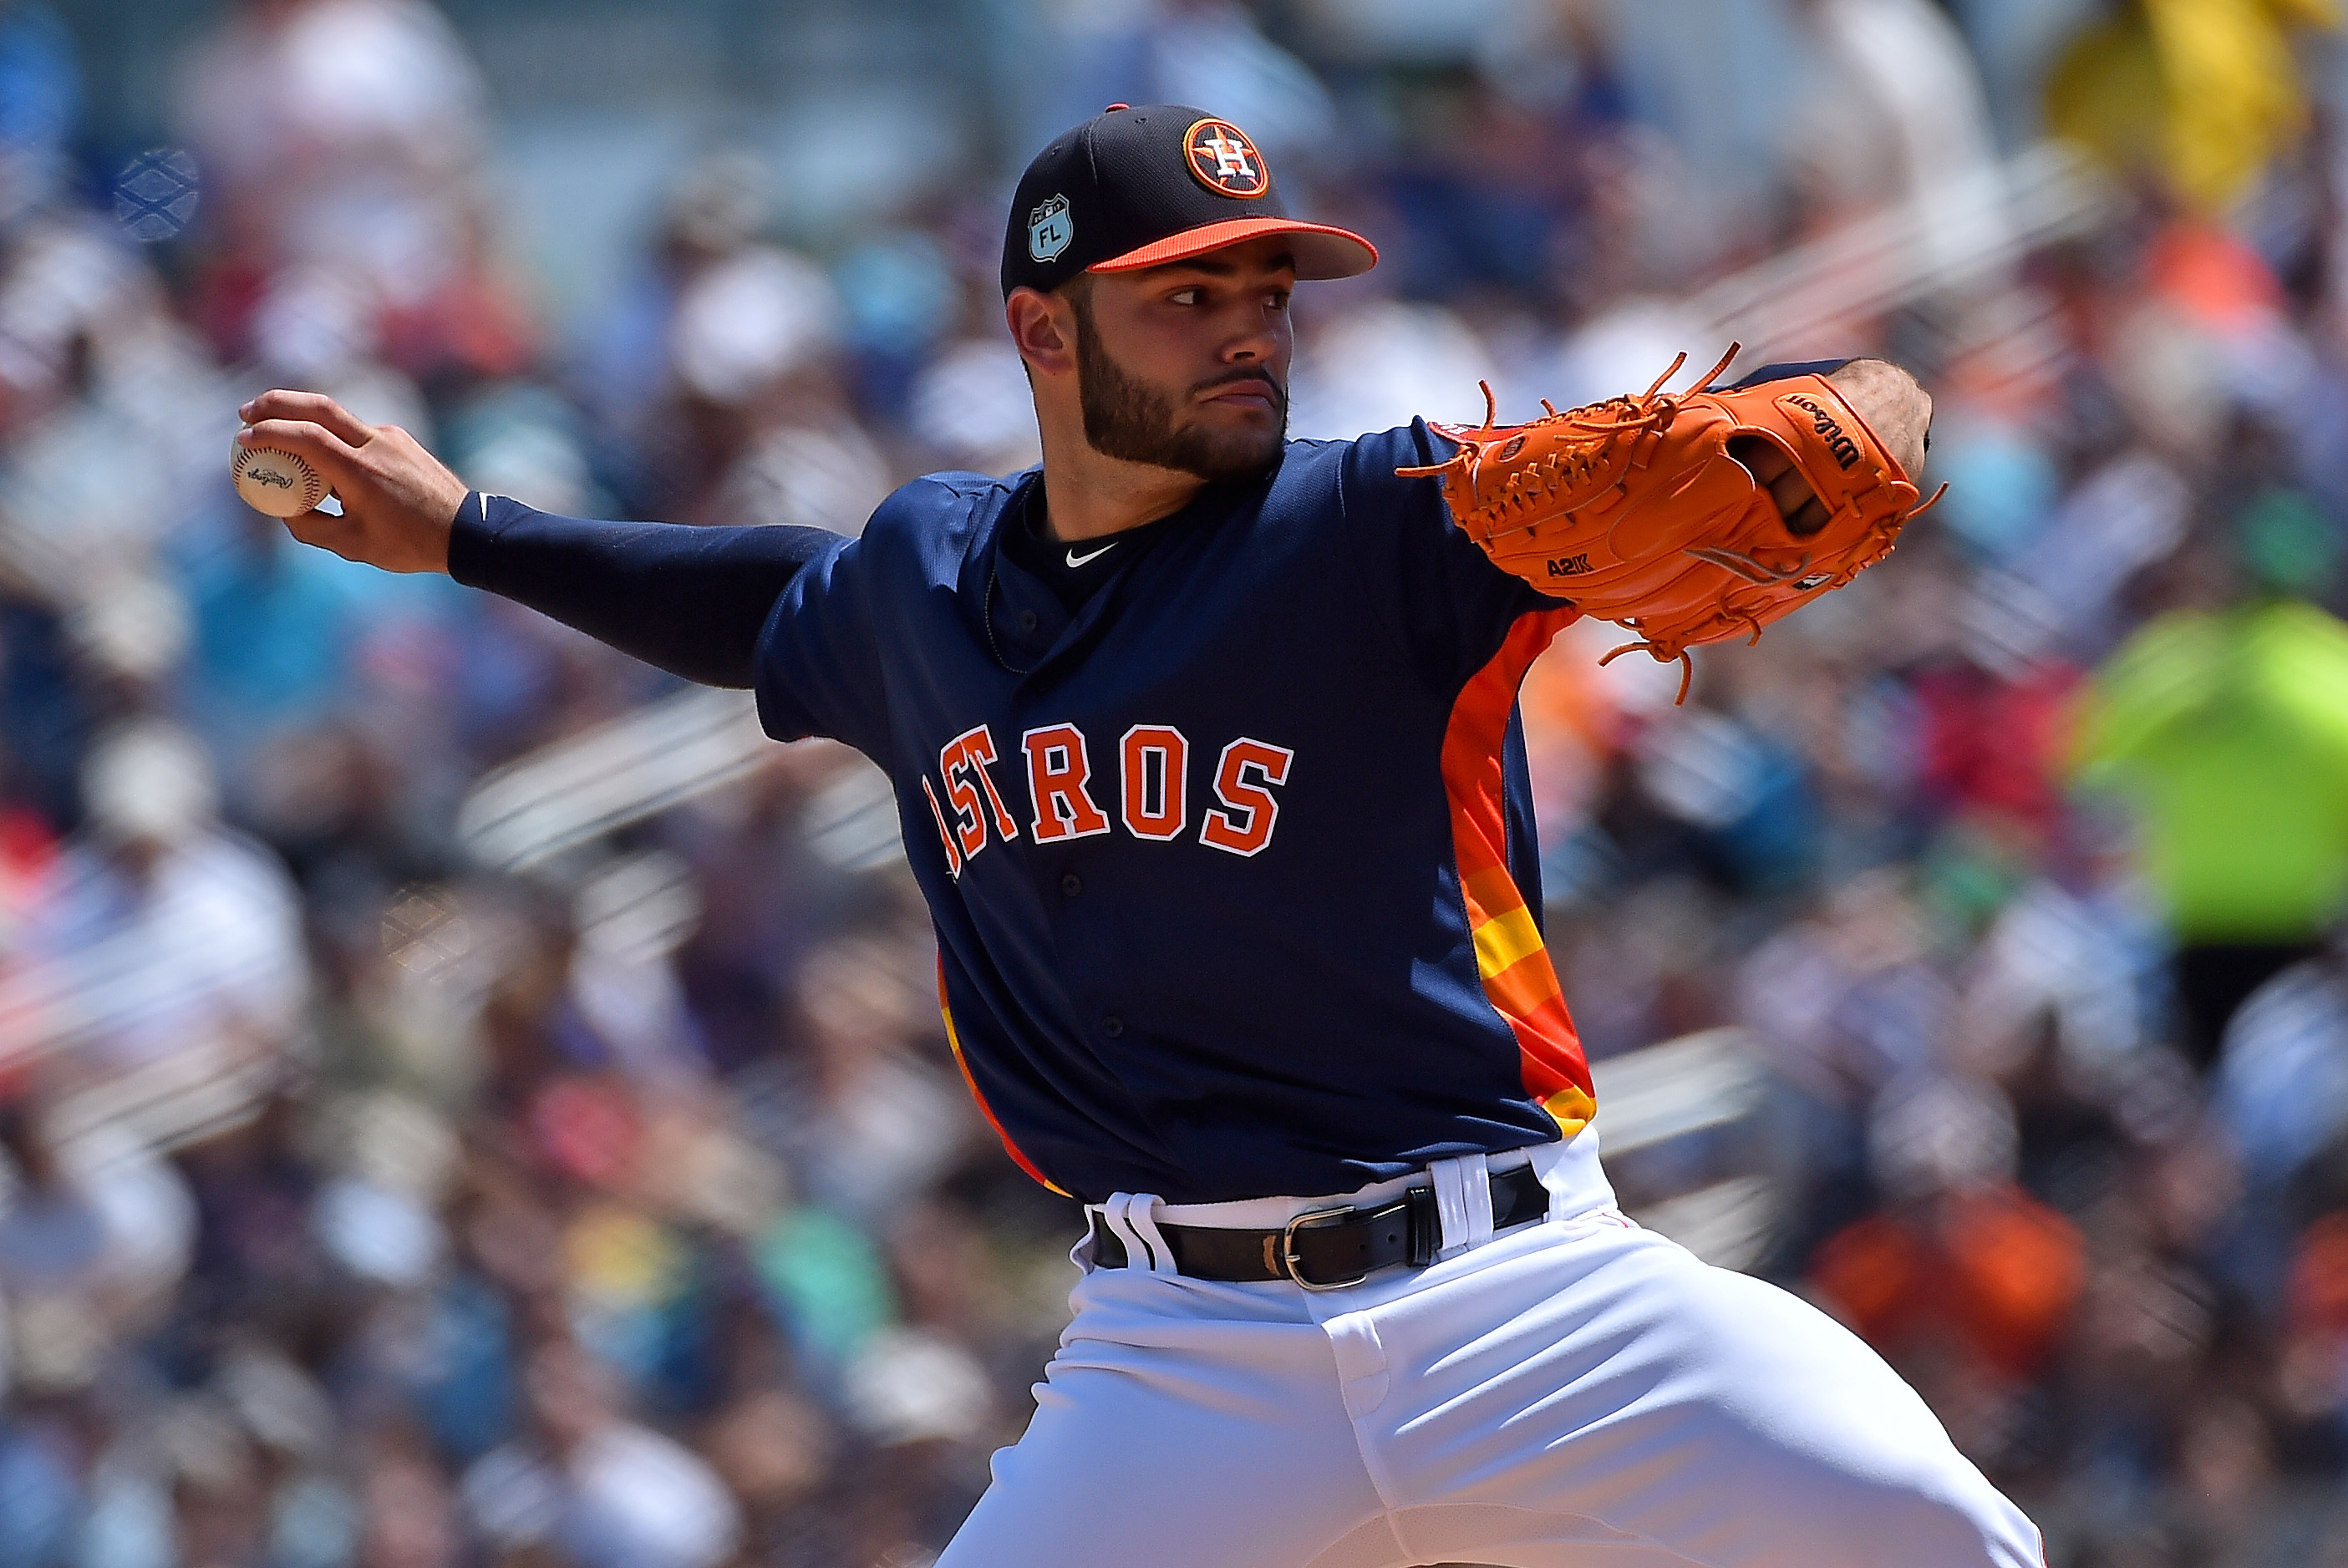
{"type": "Point", "coordinates": [604, 1492]}
{"type": "Point", "coordinates": [1963, 1268]}
{"type": "Point", "coordinates": [338, 135]}
{"type": "Point", "coordinates": [1201, 52]}
{"type": "Point", "coordinates": [2227, 729]}
{"type": "Point", "coordinates": [1385, 364]}
{"type": "Point", "coordinates": [724, 369]}
{"type": "Point", "coordinates": [2282, 1085]}
{"type": "Point", "coordinates": [164, 945]}
{"type": "Point", "coordinates": [276, 629]}
{"type": "Point", "coordinates": [40, 93]}
{"type": "Point", "coordinates": [94, 1235]}
{"type": "Point", "coordinates": [2202, 92]}
{"type": "Point", "coordinates": [1900, 115]}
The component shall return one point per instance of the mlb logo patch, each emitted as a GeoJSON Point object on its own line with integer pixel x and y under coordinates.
{"type": "Point", "coordinates": [1049, 229]}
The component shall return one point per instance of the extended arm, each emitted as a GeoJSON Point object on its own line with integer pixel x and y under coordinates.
{"type": "Point", "coordinates": [691, 600]}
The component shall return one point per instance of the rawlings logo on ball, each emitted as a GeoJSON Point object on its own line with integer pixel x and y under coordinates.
{"type": "Point", "coordinates": [275, 481]}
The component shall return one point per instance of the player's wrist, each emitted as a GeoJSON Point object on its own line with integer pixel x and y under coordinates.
{"type": "Point", "coordinates": [471, 533]}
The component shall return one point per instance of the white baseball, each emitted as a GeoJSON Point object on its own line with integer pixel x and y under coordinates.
{"type": "Point", "coordinates": [277, 482]}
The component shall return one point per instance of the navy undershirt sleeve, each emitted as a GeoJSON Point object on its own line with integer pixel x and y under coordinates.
{"type": "Point", "coordinates": [691, 600]}
{"type": "Point", "coordinates": [1785, 371]}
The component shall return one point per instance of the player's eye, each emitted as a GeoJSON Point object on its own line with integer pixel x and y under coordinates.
{"type": "Point", "coordinates": [1189, 296]}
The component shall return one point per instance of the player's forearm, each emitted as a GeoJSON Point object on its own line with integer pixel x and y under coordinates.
{"type": "Point", "coordinates": [1785, 369]}
{"type": "Point", "coordinates": [690, 601]}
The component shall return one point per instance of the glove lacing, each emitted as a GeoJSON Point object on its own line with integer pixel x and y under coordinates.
{"type": "Point", "coordinates": [1578, 466]}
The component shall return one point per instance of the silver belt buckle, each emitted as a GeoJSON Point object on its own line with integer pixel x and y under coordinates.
{"type": "Point", "coordinates": [1290, 1263]}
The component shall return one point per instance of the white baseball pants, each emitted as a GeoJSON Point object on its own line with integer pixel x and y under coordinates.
{"type": "Point", "coordinates": [1574, 1392]}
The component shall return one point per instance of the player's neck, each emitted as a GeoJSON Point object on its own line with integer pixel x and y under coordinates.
{"type": "Point", "coordinates": [1087, 496]}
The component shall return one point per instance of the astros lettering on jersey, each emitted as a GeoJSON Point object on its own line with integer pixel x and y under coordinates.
{"type": "Point", "coordinates": [1233, 869]}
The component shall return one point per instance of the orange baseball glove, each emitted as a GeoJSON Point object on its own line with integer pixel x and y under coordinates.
{"type": "Point", "coordinates": [1633, 510]}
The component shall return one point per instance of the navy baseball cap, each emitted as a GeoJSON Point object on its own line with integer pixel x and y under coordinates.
{"type": "Point", "coordinates": [1135, 188]}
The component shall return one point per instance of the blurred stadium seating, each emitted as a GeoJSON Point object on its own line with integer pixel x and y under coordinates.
{"type": "Point", "coordinates": [466, 1099]}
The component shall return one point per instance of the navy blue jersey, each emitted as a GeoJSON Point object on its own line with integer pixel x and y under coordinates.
{"type": "Point", "coordinates": [1232, 865]}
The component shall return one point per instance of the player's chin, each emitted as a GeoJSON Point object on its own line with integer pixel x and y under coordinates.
{"type": "Point", "coordinates": [1238, 445]}
{"type": "Point", "coordinates": [1252, 405]}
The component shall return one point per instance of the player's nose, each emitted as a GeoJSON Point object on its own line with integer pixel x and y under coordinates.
{"type": "Point", "coordinates": [1257, 345]}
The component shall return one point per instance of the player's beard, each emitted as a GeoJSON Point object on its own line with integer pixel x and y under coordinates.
{"type": "Point", "coordinates": [1128, 418]}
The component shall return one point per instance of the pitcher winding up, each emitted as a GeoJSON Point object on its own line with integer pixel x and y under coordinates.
{"type": "Point", "coordinates": [1208, 762]}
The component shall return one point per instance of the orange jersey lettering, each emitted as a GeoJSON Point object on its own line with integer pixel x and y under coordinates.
{"type": "Point", "coordinates": [1243, 822]}
{"type": "Point", "coordinates": [945, 835]}
{"type": "Point", "coordinates": [1154, 774]}
{"type": "Point", "coordinates": [966, 754]}
{"type": "Point", "coordinates": [1057, 773]}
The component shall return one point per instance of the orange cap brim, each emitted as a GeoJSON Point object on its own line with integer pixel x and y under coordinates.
{"type": "Point", "coordinates": [1321, 250]}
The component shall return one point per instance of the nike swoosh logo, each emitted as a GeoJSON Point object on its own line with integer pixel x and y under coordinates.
{"type": "Point", "coordinates": [1076, 559]}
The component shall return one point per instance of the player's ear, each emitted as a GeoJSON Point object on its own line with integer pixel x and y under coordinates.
{"type": "Point", "coordinates": [1044, 328]}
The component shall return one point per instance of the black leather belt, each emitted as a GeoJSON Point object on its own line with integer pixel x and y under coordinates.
{"type": "Point", "coordinates": [1329, 1249]}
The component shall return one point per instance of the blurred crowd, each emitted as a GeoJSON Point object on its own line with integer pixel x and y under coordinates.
{"type": "Point", "coordinates": [373, 1199]}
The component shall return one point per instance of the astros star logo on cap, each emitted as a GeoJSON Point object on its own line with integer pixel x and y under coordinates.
{"type": "Point", "coordinates": [1132, 188]}
{"type": "Point", "coordinates": [1225, 160]}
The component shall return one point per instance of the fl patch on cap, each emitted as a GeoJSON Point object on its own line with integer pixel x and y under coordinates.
{"type": "Point", "coordinates": [1135, 188]}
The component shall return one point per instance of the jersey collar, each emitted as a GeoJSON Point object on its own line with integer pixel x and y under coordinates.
{"type": "Point", "coordinates": [1026, 626]}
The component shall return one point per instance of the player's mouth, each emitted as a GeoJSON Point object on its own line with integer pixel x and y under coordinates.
{"type": "Point", "coordinates": [1252, 390]}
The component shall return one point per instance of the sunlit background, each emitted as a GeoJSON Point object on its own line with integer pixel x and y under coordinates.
{"type": "Point", "coordinates": [468, 1100]}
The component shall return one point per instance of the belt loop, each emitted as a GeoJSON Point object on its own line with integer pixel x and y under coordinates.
{"type": "Point", "coordinates": [1141, 1214]}
{"type": "Point", "coordinates": [1477, 1169]}
{"type": "Point", "coordinates": [1133, 1217]}
{"type": "Point", "coordinates": [1113, 1216]}
{"type": "Point", "coordinates": [1463, 1198]}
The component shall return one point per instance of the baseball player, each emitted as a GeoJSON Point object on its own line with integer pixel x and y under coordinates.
{"type": "Point", "coordinates": [1207, 760]}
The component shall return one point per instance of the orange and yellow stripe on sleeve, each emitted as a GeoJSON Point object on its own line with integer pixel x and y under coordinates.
{"type": "Point", "coordinates": [1509, 953]}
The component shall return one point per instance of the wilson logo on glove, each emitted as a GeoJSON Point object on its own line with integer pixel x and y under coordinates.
{"type": "Point", "coordinates": [1845, 450]}
{"type": "Point", "coordinates": [1663, 532]}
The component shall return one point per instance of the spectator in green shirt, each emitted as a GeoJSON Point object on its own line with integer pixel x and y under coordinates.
{"type": "Point", "coordinates": [2227, 730]}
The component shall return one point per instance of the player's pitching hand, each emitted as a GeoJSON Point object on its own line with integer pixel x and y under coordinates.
{"type": "Point", "coordinates": [1895, 407]}
{"type": "Point", "coordinates": [399, 500]}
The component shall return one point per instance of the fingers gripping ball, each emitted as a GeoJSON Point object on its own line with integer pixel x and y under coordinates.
{"type": "Point", "coordinates": [1633, 511]}
{"type": "Point", "coordinates": [277, 482]}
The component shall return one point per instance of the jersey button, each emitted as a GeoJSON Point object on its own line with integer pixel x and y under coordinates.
{"type": "Point", "coordinates": [1112, 1026]}
{"type": "Point", "coordinates": [1072, 884]}
{"type": "Point", "coordinates": [1028, 621]}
